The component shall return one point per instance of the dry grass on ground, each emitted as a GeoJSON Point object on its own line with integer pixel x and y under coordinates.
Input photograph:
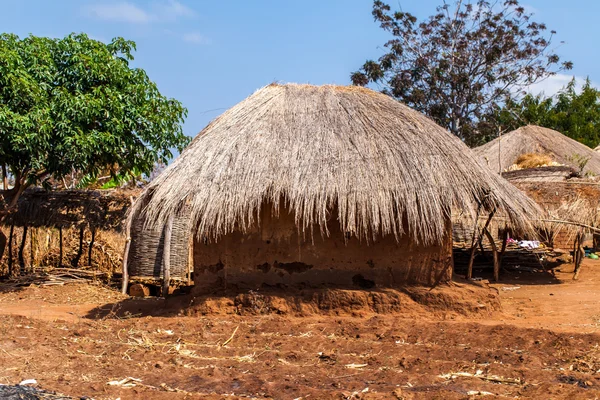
{"type": "Point", "coordinates": [90, 340]}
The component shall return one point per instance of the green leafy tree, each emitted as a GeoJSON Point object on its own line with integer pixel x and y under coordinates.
{"type": "Point", "coordinates": [573, 113]}
{"type": "Point", "coordinates": [461, 63]}
{"type": "Point", "coordinates": [76, 104]}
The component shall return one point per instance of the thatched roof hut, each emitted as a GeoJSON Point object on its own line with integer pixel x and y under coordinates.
{"type": "Point", "coordinates": [501, 153]}
{"type": "Point", "coordinates": [302, 183]}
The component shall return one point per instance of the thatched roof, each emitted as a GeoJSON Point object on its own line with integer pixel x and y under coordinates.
{"type": "Point", "coordinates": [501, 153]}
{"type": "Point", "coordinates": [316, 147]}
{"type": "Point", "coordinates": [71, 208]}
{"type": "Point", "coordinates": [575, 201]}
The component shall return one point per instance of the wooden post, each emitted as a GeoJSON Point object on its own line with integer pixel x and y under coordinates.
{"type": "Point", "coordinates": [91, 246]}
{"type": "Point", "coordinates": [125, 278]}
{"type": "Point", "coordinates": [77, 257]}
{"type": "Point", "coordinates": [474, 244]}
{"type": "Point", "coordinates": [10, 249]}
{"type": "Point", "coordinates": [32, 245]}
{"type": "Point", "coordinates": [494, 254]}
{"type": "Point", "coordinates": [578, 255]}
{"type": "Point", "coordinates": [21, 249]}
{"type": "Point", "coordinates": [504, 243]}
{"type": "Point", "coordinates": [167, 257]}
{"type": "Point", "coordinates": [60, 246]}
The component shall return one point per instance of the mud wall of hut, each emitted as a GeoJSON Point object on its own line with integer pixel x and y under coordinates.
{"type": "Point", "coordinates": [277, 254]}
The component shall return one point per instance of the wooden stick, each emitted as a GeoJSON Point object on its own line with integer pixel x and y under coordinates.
{"type": "Point", "coordinates": [558, 221]}
{"type": "Point", "coordinates": [167, 257]}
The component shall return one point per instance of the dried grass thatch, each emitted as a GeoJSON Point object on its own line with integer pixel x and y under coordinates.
{"type": "Point", "coordinates": [534, 160]}
{"type": "Point", "coordinates": [71, 208]}
{"type": "Point", "coordinates": [501, 153]}
{"type": "Point", "coordinates": [387, 168]}
{"type": "Point", "coordinates": [574, 202]}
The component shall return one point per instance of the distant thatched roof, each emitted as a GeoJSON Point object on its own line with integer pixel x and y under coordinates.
{"type": "Point", "coordinates": [501, 153]}
{"type": "Point", "coordinates": [70, 208]}
{"type": "Point", "coordinates": [314, 147]}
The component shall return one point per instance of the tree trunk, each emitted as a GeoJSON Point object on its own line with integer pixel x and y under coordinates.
{"type": "Point", "coordinates": [3, 241]}
{"type": "Point", "coordinates": [10, 250]}
{"type": "Point", "coordinates": [21, 249]}
{"type": "Point", "coordinates": [4, 177]}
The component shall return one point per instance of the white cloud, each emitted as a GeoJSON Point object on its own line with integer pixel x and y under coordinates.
{"type": "Point", "coordinates": [195, 38]}
{"type": "Point", "coordinates": [553, 84]}
{"type": "Point", "coordinates": [120, 12]}
{"type": "Point", "coordinates": [173, 9]}
{"type": "Point", "coordinates": [123, 11]}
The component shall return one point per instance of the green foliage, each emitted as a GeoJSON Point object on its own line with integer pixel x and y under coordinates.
{"type": "Point", "coordinates": [76, 104]}
{"type": "Point", "coordinates": [575, 114]}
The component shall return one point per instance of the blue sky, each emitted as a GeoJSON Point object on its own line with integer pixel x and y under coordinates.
{"type": "Point", "coordinates": [212, 54]}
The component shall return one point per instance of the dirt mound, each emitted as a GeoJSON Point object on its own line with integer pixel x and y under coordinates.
{"type": "Point", "coordinates": [443, 301]}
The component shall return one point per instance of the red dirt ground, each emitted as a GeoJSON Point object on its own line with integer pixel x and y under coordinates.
{"type": "Point", "coordinates": [544, 343]}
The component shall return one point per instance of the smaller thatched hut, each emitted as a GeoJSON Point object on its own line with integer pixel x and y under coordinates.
{"type": "Point", "coordinates": [503, 152]}
{"type": "Point", "coordinates": [51, 228]}
{"type": "Point", "coordinates": [566, 187]}
{"type": "Point", "coordinates": [319, 185]}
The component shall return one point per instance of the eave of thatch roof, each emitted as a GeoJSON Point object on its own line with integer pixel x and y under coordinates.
{"type": "Point", "coordinates": [387, 168]}
{"type": "Point", "coordinates": [502, 152]}
{"type": "Point", "coordinates": [70, 208]}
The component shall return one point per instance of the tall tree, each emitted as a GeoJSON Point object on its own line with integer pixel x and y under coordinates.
{"type": "Point", "coordinates": [76, 104]}
{"type": "Point", "coordinates": [571, 112]}
{"type": "Point", "coordinates": [460, 64]}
